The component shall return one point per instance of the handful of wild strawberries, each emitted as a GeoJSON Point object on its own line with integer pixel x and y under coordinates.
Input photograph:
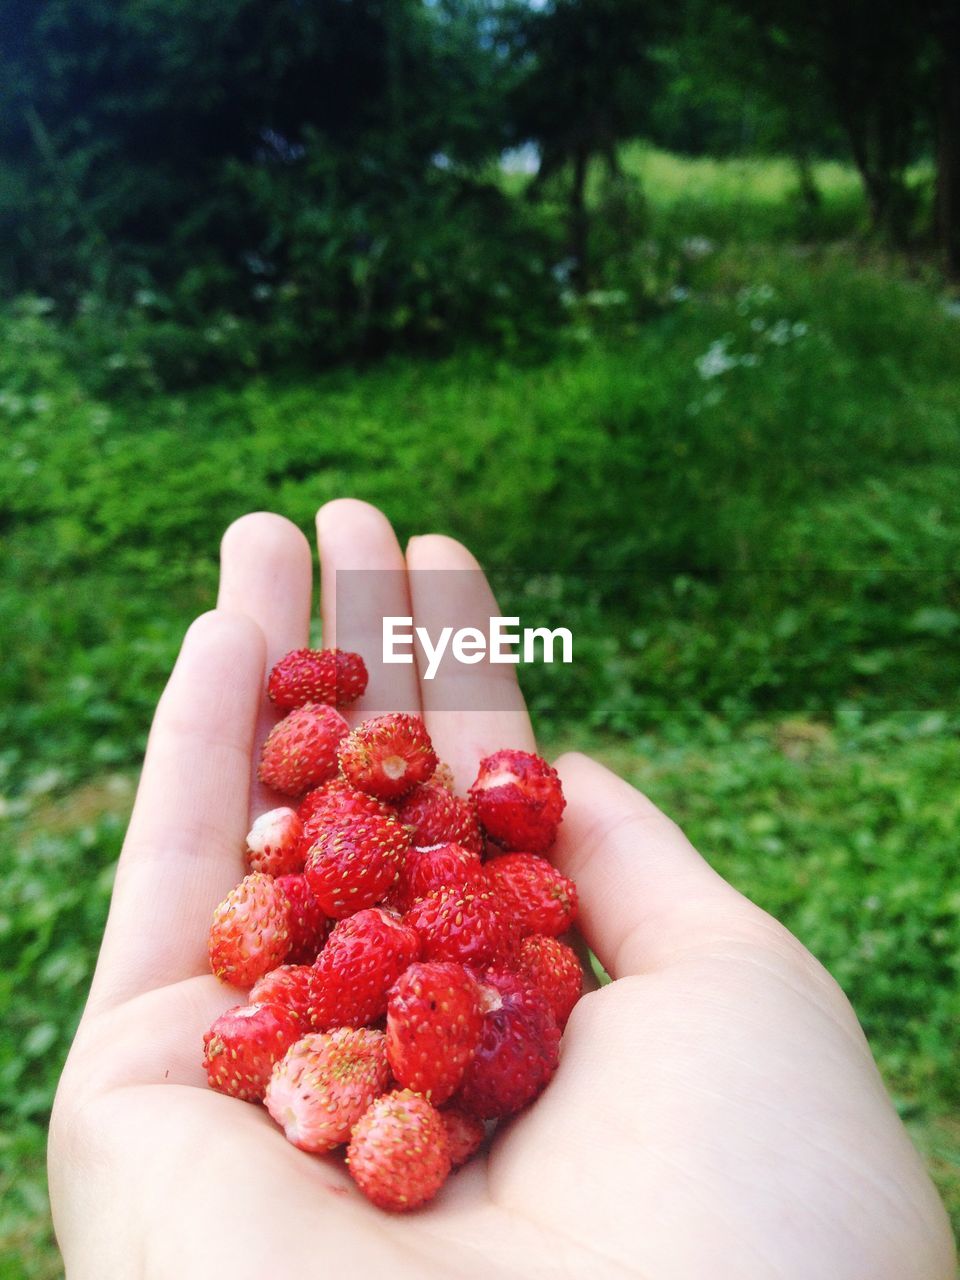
{"type": "Point", "coordinates": [404, 988]}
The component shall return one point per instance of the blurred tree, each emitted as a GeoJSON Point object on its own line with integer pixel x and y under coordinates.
{"type": "Point", "coordinates": [721, 95]}
{"type": "Point", "coordinates": [945, 27]}
{"type": "Point", "coordinates": [124, 123]}
{"type": "Point", "coordinates": [860, 63]}
{"type": "Point", "coordinates": [588, 79]}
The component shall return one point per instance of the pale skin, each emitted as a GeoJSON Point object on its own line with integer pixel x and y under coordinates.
{"type": "Point", "coordinates": [716, 1115]}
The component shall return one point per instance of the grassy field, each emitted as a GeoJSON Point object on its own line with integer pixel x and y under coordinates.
{"type": "Point", "coordinates": [740, 494]}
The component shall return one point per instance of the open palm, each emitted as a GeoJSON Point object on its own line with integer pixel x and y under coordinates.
{"type": "Point", "coordinates": [716, 1112]}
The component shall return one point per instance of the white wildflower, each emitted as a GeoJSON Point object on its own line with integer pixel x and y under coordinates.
{"type": "Point", "coordinates": [716, 360]}
{"type": "Point", "coordinates": [697, 246]}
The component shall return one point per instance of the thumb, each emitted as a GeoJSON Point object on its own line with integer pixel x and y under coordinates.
{"type": "Point", "coordinates": [646, 895]}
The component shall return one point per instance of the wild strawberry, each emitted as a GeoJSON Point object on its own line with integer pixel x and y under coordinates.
{"type": "Point", "coordinates": [250, 933]}
{"type": "Point", "coordinates": [352, 866]}
{"type": "Point", "coordinates": [334, 803]}
{"type": "Point", "coordinates": [388, 755]}
{"type": "Point", "coordinates": [436, 816]}
{"type": "Point", "coordinates": [465, 1134]}
{"type": "Point", "coordinates": [291, 986]}
{"type": "Point", "coordinates": [532, 893]}
{"type": "Point", "coordinates": [553, 968]}
{"type": "Point", "coordinates": [457, 924]}
{"type": "Point", "coordinates": [332, 676]}
{"type": "Point", "coordinates": [519, 800]}
{"type": "Point", "coordinates": [433, 1028]}
{"type": "Point", "coordinates": [308, 924]}
{"type": "Point", "coordinates": [273, 844]}
{"type": "Point", "coordinates": [518, 1049]}
{"type": "Point", "coordinates": [323, 1085]}
{"type": "Point", "coordinates": [426, 869]}
{"type": "Point", "coordinates": [364, 956]}
{"type": "Point", "coordinates": [241, 1047]}
{"type": "Point", "coordinates": [301, 749]}
{"type": "Point", "coordinates": [398, 1153]}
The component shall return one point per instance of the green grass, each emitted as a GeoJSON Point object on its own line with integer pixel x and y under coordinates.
{"type": "Point", "coordinates": [736, 483]}
{"type": "Point", "coordinates": [743, 198]}
{"type": "Point", "coordinates": [749, 180]}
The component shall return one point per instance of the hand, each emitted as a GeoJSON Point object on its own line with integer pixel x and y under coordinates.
{"type": "Point", "coordinates": [716, 1112]}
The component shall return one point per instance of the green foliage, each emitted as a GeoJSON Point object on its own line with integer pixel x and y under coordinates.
{"type": "Point", "coordinates": [293, 182]}
{"type": "Point", "coordinates": [780, 439]}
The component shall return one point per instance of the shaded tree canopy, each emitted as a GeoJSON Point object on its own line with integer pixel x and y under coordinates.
{"type": "Point", "coordinates": [342, 150]}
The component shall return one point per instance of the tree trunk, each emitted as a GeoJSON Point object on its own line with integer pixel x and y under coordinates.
{"type": "Point", "coordinates": [948, 148]}
{"type": "Point", "coordinates": [809, 191]}
{"type": "Point", "coordinates": [887, 196]}
{"type": "Point", "coordinates": [579, 224]}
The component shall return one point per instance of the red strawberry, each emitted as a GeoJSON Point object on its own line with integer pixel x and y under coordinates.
{"type": "Point", "coordinates": [519, 800]}
{"type": "Point", "coordinates": [324, 1084]}
{"type": "Point", "coordinates": [363, 958]}
{"type": "Point", "coordinates": [398, 1153]}
{"type": "Point", "coordinates": [532, 894]}
{"type": "Point", "coordinates": [353, 865]}
{"type": "Point", "coordinates": [388, 755]}
{"type": "Point", "coordinates": [458, 924]}
{"type": "Point", "coordinates": [332, 676]}
{"type": "Point", "coordinates": [465, 1134]}
{"type": "Point", "coordinates": [241, 1047]}
{"type": "Point", "coordinates": [436, 816]}
{"type": "Point", "coordinates": [433, 1028]}
{"type": "Point", "coordinates": [301, 749]}
{"type": "Point", "coordinates": [250, 933]}
{"type": "Point", "coordinates": [273, 844]}
{"type": "Point", "coordinates": [518, 1049]}
{"type": "Point", "coordinates": [308, 924]}
{"type": "Point", "coordinates": [553, 968]}
{"type": "Point", "coordinates": [426, 869]}
{"type": "Point", "coordinates": [292, 986]}
{"type": "Point", "coordinates": [335, 802]}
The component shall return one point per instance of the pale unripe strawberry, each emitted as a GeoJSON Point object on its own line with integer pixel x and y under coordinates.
{"type": "Point", "coordinates": [325, 1083]}
{"type": "Point", "coordinates": [399, 1156]}
{"type": "Point", "coordinates": [274, 843]}
{"type": "Point", "coordinates": [250, 933]}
